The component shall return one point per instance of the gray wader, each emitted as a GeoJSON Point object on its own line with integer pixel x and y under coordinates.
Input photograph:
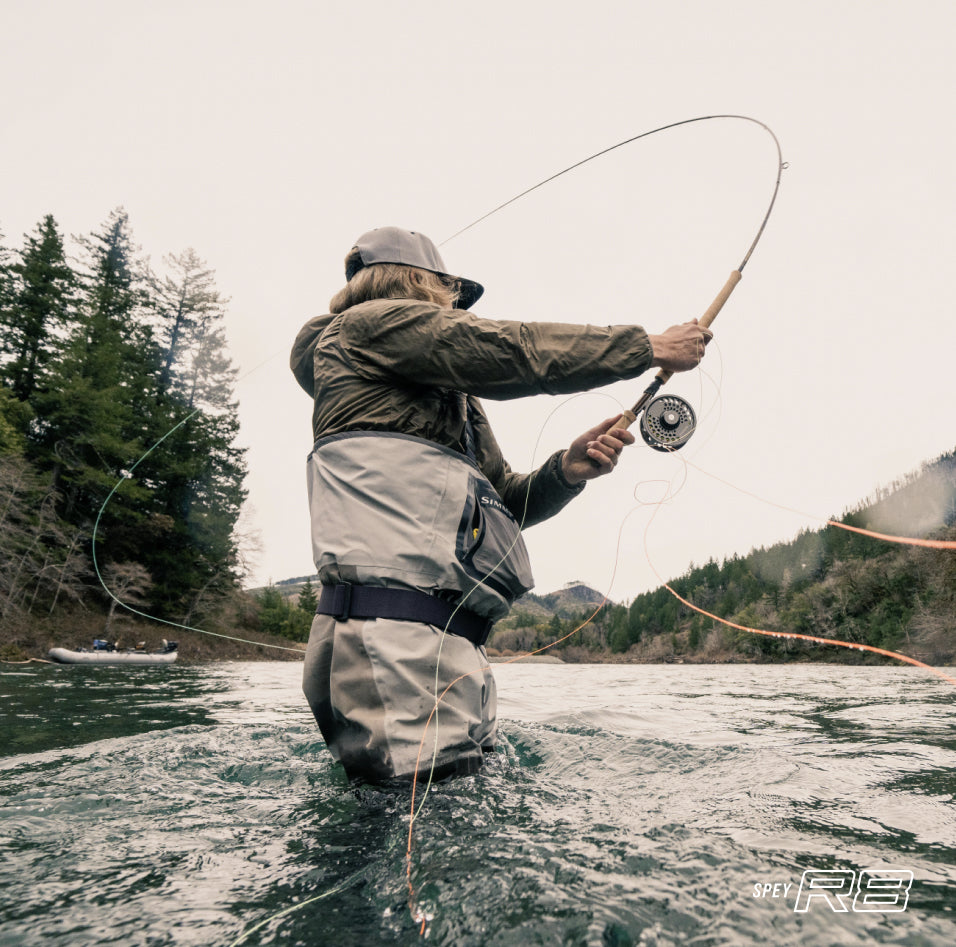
{"type": "Point", "coordinates": [397, 512]}
{"type": "Point", "coordinates": [371, 686]}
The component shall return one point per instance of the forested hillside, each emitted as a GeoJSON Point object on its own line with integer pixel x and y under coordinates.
{"type": "Point", "coordinates": [828, 583]}
{"type": "Point", "coordinates": [101, 357]}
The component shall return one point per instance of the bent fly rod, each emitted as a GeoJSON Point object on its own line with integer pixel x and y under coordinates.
{"type": "Point", "coordinates": [666, 423]}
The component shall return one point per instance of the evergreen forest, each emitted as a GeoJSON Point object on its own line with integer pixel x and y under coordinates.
{"type": "Point", "coordinates": [118, 433]}
{"type": "Point", "coordinates": [827, 583]}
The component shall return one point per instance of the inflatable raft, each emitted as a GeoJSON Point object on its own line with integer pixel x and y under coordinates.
{"type": "Point", "coordinates": [104, 653]}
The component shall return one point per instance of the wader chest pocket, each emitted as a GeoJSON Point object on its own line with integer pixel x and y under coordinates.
{"type": "Point", "coordinates": [393, 510]}
{"type": "Point", "coordinates": [490, 547]}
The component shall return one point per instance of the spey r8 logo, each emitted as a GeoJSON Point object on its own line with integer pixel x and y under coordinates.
{"type": "Point", "coordinates": [871, 890]}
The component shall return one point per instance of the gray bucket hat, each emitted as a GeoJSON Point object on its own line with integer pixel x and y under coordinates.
{"type": "Point", "coordinates": [394, 245]}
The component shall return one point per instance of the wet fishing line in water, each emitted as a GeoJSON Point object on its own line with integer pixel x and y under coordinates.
{"type": "Point", "coordinates": [662, 377]}
{"type": "Point", "coordinates": [680, 410]}
{"type": "Point", "coordinates": [418, 914]}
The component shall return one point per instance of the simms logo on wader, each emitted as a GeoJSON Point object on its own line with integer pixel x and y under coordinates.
{"type": "Point", "coordinates": [486, 499]}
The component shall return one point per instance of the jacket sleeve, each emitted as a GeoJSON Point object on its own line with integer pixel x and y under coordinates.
{"type": "Point", "coordinates": [489, 358]}
{"type": "Point", "coordinates": [300, 360]}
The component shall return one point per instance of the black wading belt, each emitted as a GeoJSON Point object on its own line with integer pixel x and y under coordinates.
{"type": "Point", "coordinates": [345, 601]}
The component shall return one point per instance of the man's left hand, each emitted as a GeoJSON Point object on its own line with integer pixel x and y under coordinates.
{"type": "Point", "coordinates": [595, 452]}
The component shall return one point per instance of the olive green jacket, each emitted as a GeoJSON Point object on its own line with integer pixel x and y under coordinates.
{"type": "Point", "coordinates": [401, 365]}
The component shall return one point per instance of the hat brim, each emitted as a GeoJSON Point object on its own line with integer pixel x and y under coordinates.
{"type": "Point", "coordinates": [469, 292]}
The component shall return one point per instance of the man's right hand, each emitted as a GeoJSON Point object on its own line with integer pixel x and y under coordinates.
{"type": "Point", "coordinates": [680, 348]}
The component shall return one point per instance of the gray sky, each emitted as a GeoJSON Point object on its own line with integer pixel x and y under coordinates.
{"type": "Point", "coordinates": [269, 135]}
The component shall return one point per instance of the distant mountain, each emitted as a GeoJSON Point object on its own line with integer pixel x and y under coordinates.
{"type": "Point", "coordinates": [298, 581]}
{"type": "Point", "coordinates": [568, 601]}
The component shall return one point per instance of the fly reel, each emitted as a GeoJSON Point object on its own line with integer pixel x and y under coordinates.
{"type": "Point", "coordinates": [667, 423]}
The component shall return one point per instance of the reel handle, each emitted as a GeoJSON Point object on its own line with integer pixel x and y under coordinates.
{"type": "Point", "coordinates": [663, 376]}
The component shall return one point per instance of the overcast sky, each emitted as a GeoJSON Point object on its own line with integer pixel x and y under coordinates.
{"type": "Point", "coordinates": [269, 135]}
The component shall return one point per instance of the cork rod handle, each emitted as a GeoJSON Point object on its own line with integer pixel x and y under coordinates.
{"type": "Point", "coordinates": [663, 376]}
{"type": "Point", "coordinates": [708, 317]}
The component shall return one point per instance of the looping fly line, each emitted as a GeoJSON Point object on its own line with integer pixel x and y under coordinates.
{"type": "Point", "coordinates": [781, 166]}
{"type": "Point", "coordinates": [414, 908]}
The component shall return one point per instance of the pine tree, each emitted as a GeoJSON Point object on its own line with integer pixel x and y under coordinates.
{"type": "Point", "coordinates": [200, 498]}
{"type": "Point", "coordinates": [133, 393]}
{"type": "Point", "coordinates": [91, 422]}
{"type": "Point", "coordinates": [38, 308]}
{"type": "Point", "coordinates": [307, 598]}
{"type": "Point", "coordinates": [693, 639]}
{"type": "Point", "coordinates": [12, 440]}
{"type": "Point", "coordinates": [186, 305]}
{"type": "Point", "coordinates": [200, 471]}
{"type": "Point", "coordinates": [6, 296]}
{"type": "Point", "coordinates": [279, 617]}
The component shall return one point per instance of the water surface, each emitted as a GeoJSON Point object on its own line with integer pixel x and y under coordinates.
{"type": "Point", "coordinates": [628, 805]}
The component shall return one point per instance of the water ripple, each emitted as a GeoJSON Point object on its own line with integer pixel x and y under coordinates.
{"type": "Point", "coordinates": [627, 805]}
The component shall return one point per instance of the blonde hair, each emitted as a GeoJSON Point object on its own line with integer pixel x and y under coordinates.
{"type": "Point", "coordinates": [393, 281]}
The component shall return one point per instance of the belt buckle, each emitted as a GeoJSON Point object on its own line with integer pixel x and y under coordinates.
{"type": "Point", "coordinates": [343, 589]}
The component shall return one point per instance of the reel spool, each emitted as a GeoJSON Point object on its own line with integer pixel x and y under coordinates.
{"type": "Point", "coordinates": [667, 423]}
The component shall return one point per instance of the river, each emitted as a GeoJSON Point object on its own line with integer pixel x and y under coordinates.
{"type": "Point", "coordinates": [628, 805]}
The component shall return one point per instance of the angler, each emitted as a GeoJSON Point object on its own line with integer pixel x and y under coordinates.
{"type": "Point", "coordinates": [416, 516]}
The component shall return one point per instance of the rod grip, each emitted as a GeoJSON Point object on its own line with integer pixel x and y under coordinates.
{"type": "Point", "coordinates": [626, 419]}
{"type": "Point", "coordinates": [664, 376]}
{"type": "Point", "coordinates": [708, 317]}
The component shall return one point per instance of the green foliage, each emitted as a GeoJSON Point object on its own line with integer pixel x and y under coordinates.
{"type": "Point", "coordinates": [12, 439]}
{"type": "Point", "coordinates": [830, 583]}
{"type": "Point", "coordinates": [278, 616]}
{"type": "Point", "coordinates": [619, 640]}
{"type": "Point", "coordinates": [114, 383]}
{"type": "Point", "coordinates": [39, 297]}
{"type": "Point", "coordinates": [308, 600]}
{"type": "Point", "coordinates": [91, 422]}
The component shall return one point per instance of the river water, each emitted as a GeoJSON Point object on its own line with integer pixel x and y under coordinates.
{"type": "Point", "coordinates": [629, 805]}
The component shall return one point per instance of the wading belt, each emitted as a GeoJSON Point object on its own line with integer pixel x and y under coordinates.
{"type": "Point", "coordinates": [345, 601]}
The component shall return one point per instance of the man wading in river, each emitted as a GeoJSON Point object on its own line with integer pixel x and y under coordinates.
{"type": "Point", "coordinates": [416, 516]}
